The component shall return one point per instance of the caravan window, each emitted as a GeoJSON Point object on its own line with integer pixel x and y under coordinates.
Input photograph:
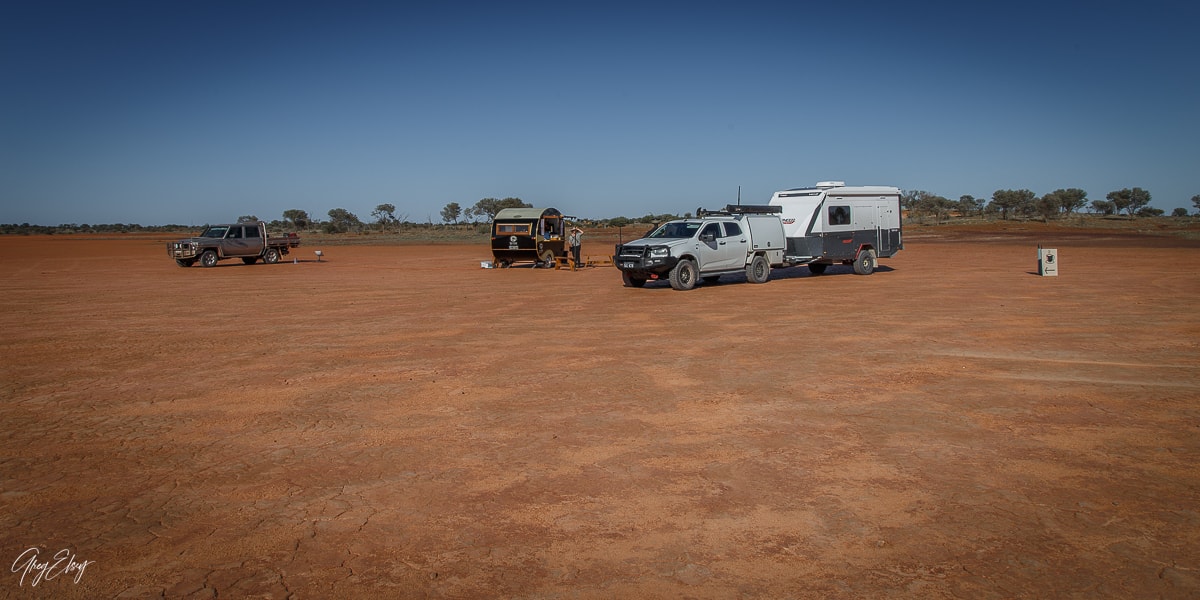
{"type": "Point", "coordinates": [839, 215]}
{"type": "Point", "coordinates": [512, 228]}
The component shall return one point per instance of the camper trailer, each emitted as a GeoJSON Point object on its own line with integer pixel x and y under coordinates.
{"type": "Point", "coordinates": [833, 223]}
{"type": "Point", "coordinates": [528, 235]}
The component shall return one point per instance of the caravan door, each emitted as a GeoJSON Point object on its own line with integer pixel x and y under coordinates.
{"type": "Point", "coordinates": [867, 218]}
{"type": "Point", "coordinates": [889, 226]}
{"type": "Point", "coordinates": [883, 239]}
{"type": "Point", "coordinates": [838, 221]}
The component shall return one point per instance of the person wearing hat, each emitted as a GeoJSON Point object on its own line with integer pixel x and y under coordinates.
{"type": "Point", "coordinates": [573, 242]}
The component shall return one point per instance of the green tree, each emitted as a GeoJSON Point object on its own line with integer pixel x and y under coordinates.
{"type": "Point", "coordinates": [937, 206]}
{"type": "Point", "coordinates": [298, 218]}
{"type": "Point", "coordinates": [1139, 199]}
{"type": "Point", "coordinates": [247, 219]}
{"type": "Point", "coordinates": [990, 210]}
{"type": "Point", "coordinates": [451, 212]}
{"type": "Point", "coordinates": [1069, 200]}
{"type": "Point", "coordinates": [488, 207]}
{"type": "Point", "coordinates": [1048, 206]}
{"type": "Point", "coordinates": [1104, 207]}
{"type": "Point", "coordinates": [911, 200]}
{"type": "Point", "coordinates": [384, 214]}
{"type": "Point", "coordinates": [1196, 202]}
{"type": "Point", "coordinates": [1129, 200]}
{"type": "Point", "coordinates": [1150, 211]}
{"type": "Point", "coordinates": [1119, 199]}
{"type": "Point", "coordinates": [341, 220]}
{"type": "Point", "coordinates": [1179, 212]}
{"type": "Point", "coordinates": [1012, 201]}
{"type": "Point", "coordinates": [968, 205]}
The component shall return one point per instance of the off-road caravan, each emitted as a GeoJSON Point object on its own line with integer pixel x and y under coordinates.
{"type": "Point", "coordinates": [833, 223]}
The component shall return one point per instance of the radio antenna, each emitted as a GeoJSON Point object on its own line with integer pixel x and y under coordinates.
{"type": "Point", "coordinates": [739, 195]}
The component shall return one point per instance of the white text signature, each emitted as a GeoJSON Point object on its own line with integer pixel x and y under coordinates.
{"type": "Point", "coordinates": [62, 563]}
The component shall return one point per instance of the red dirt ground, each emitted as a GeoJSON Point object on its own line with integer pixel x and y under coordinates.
{"type": "Point", "coordinates": [397, 422]}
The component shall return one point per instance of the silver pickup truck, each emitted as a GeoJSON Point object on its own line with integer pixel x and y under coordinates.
{"type": "Point", "coordinates": [247, 241]}
{"type": "Point", "coordinates": [740, 239]}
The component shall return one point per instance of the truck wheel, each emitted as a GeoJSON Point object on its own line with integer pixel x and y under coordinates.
{"type": "Point", "coordinates": [185, 262]}
{"type": "Point", "coordinates": [759, 270]}
{"type": "Point", "coordinates": [631, 281]}
{"type": "Point", "coordinates": [504, 264]}
{"type": "Point", "coordinates": [865, 263]}
{"type": "Point", "coordinates": [817, 268]}
{"type": "Point", "coordinates": [683, 276]}
{"type": "Point", "coordinates": [271, 256]}
{"type": "Point", "coordinates": [209, 258]}
{"type": "Point", "coordinates": [548, 259]}
{"type": "Point", "coordinates": [249, 259]}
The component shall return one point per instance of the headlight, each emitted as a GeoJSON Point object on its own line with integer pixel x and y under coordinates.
{"type": "Point", "coordinates": [659, 252]}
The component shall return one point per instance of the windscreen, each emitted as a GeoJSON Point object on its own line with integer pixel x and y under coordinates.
{"type": "Point", "coordinates": [675, 229]}
{"type": "Point", "coordinates": [214, 232]}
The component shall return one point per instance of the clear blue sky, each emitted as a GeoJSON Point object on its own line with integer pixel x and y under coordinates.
{"type": "Point", "coordinates": [198, 111]}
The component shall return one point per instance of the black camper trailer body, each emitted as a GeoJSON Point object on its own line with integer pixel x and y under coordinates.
{"type": "Point", "coordinates": [528, 235]}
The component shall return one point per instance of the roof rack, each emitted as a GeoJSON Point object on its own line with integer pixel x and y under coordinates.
{"type": "Point", "coordinates": [742, 209]}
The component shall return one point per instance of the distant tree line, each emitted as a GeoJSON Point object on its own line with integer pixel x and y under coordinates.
{"type": "Point", "coordinates": [28, 229]}
{"type": "Point", "coordinates": [1024, 204]}
{"type": "Point", "coordinates": [919, 204]}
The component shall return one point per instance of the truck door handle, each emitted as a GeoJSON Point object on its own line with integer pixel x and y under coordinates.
{"type": "Point", "coordinates": [721, 243]}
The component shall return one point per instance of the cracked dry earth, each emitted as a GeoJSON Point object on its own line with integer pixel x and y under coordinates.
{"type": "Point", "coordinates": [396, 422]}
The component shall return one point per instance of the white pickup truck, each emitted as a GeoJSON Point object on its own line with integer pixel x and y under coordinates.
{"type": "Point", "coordinates": [747, 239]}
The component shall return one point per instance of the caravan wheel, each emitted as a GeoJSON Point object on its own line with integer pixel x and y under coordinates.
{"type": "Point", "coordinates": [865, 263]}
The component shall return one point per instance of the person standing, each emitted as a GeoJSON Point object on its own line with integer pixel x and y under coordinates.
{"type": "Point", "coordinates": [573, 242]}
